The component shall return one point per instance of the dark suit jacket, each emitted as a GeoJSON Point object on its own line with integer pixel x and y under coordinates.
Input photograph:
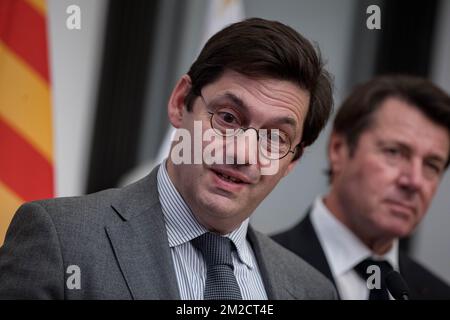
{"type": "Point", "coordinates": [118, 239]}
{"type": "Point", "coordinates": [302, 240]}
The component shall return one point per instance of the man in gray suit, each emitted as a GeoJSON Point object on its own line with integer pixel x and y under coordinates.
{"type": "Point", "coordinates": [182, 232]}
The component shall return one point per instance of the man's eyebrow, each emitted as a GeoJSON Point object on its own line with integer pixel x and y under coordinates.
{"type": "Point", "coordinates": [238, 102]}
{"type": "Point", "coordinates": [436, 158]}
{"type": "Point", "coordinates": [404, 146]}
{"type": "Point", "coordinates": [285, 120]}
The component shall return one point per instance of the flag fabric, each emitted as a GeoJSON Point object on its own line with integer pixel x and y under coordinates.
{"type": "Point", "coordinates": [220, 13]}
{"type": "Point", "coordinates": [26, 137]}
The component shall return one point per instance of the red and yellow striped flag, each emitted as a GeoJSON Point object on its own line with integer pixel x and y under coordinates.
{"type": "Point", "coordinates": [26, 140]}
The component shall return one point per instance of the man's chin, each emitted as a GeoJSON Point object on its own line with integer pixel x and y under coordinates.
{"type": "Point", "coordinates": [220, 202]}
{"type": "Point", "coordinates": [397, 230]}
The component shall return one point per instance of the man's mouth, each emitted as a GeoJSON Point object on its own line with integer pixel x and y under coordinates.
{"type": "Point", "coordinates": [228, 178]}
{"type": "Point", "coordinates": [405, 208]}
{"type": "Point", "coordinates": [231, 176]}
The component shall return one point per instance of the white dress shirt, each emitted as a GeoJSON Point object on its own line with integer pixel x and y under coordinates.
{"type": "Point", "coordinates": [344, 250]}
{"type": "Point", "coordinates": [190, 267]}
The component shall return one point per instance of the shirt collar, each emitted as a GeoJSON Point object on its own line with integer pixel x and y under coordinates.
{"type": "Point", "coordinates": [343, 249]}
{"type": "Point", "coordinates": [181, 224]}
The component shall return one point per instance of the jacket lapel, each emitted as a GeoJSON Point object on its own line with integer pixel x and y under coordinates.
{"type": "Point", "coordinates": [303, 241]}
{"type": "Point", "coordinates": [416, 284]}
{"type": "Point", "coordinates": [269, 282]}
{"type": "Point", "coordinates": [140, 242]}
{"type": "Point", "coordinates": [277, 284]}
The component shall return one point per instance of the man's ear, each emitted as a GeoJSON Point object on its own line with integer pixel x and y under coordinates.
{"type": "Point", "coordinates": [338, 152]}
{"type": "Point", "coordinates": [175, 107]}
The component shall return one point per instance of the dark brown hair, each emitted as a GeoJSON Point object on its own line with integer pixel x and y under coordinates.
{"type": "Point", "coordinates": [356, 113]}
{"type": "Point", "coordinates": [259, 48]}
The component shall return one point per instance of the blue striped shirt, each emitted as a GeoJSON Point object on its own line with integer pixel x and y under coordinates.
{"type": "Point", "coordinates": [190, 268]}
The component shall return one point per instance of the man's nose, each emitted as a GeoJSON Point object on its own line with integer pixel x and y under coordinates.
{"type": "Point", "coordinates": [411, 176]}
{"type": "Point", "coordinates": [245, 147]}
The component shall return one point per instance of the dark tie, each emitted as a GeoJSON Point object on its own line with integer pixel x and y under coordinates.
{"type": "Point", "coordinates": [220, 283]}
{"type": "Point", "coordinates": [361, 268]}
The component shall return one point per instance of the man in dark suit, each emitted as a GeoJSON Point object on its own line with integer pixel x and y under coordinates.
{"type": "Point", "coordinates": [387, 152]}
{"type": "Point", "coordinates": [182, 232]}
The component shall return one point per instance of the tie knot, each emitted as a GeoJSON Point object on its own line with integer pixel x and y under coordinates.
{"type": "Point", "coordinates": [216, 250]}
{"type": "Point", "coordinates": [362, 267]}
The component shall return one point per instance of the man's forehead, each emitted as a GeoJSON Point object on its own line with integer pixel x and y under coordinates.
{"type": "Point", "coordinates": [396, 115]}
{"type": "Point", "coordinates": [399, 122]}
{"type": "Point", "coordinates": [282, 98]}
{"type": "Point", "coordinates": [233, 81]}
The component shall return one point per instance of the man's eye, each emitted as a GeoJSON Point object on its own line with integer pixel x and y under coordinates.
{"type": "Point", "coordinates": [275, 136]}
{"type": "Point", "coordinates": [434, 168]}
{"type": "Point", "coordinates": [393, 152]}
{"type": "Point", "coordinates": [228, 118]}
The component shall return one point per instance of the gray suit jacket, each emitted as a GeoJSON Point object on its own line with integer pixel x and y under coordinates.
{"type": "Point", "coordinates": [118, 239]}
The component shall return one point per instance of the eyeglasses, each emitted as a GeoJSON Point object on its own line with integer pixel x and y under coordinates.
{"type": "Point", "coordinates": [273, 143]}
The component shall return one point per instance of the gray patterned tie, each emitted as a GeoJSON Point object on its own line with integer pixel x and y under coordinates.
{"type": "Point", "coordinates": [221, 283]}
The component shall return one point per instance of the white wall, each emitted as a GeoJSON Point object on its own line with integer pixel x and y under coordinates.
{"type": "Point", "coordinates": [75, 57]}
